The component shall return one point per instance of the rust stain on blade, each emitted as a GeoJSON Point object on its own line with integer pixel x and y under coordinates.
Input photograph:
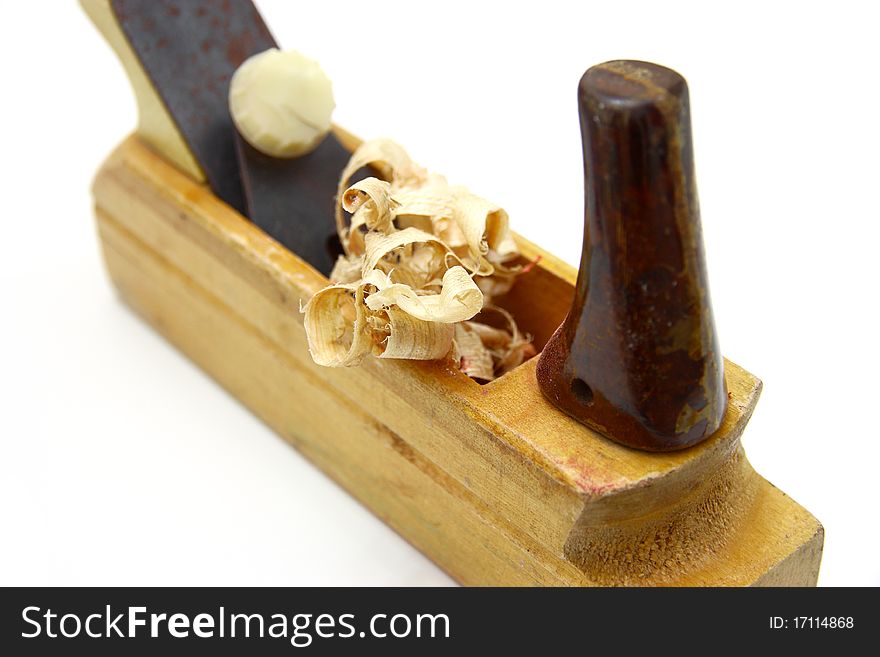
{"type": "Point", "coordinates": [190, 49]}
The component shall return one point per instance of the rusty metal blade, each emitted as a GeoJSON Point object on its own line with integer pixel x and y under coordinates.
{"type": "Point", "coordinates": [190, 49]}
{"type": "Point", "coordinates": [293, 200]}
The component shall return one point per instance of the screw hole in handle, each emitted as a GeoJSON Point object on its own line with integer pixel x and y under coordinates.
{"type": "Point", "coordinates": [581, 391]}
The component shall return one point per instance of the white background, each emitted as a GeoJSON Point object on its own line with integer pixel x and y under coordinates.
{"type": "Point", "coordinates": [122, 463]}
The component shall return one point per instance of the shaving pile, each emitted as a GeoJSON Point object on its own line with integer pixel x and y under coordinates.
{"type": "Point", "coordinates": [422, 260]}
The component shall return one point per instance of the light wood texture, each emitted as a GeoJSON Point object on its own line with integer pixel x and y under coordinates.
{"type": "Point", "coordinates": [491, 482]}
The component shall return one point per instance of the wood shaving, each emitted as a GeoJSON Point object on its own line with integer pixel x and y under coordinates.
{"type": "Point", "coordinates": [423, 261]}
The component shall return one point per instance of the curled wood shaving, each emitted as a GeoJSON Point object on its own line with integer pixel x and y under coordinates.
{"type": "Point", "coordinates": [422, 261]}
{"type": "Point", "coordinates": [486, 352]}
{"type": "Point", "coordinates": [459, 298]}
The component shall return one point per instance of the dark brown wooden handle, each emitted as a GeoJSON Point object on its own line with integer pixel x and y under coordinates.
{"type": "Point", "coordinates": [637, 358]}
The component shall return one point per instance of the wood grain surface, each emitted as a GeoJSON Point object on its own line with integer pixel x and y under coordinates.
{"type": "Point", "coordinates": [492, 482]}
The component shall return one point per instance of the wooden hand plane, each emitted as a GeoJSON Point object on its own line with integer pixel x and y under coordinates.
{"type": "Point", "coordinates": [497, 483]}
